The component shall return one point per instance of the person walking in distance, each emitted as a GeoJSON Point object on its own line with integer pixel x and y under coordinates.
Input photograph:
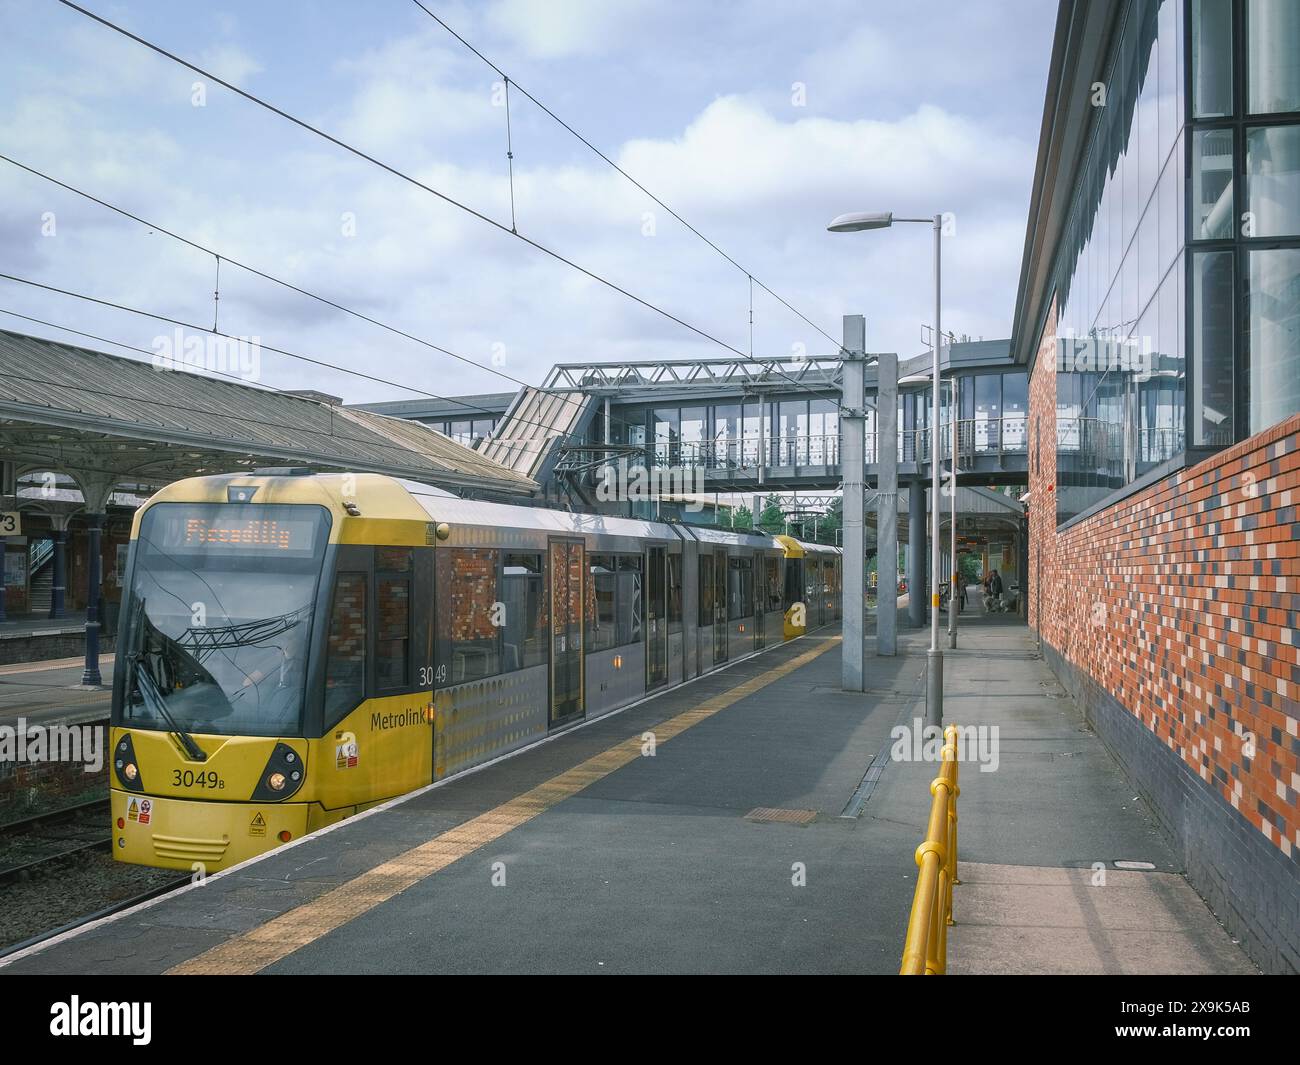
{"type": "Point", "coordinates": [995, 591]}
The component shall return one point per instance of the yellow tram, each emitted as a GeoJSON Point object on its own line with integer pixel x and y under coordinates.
{"type": "Point", "coordinates": [297, 647]}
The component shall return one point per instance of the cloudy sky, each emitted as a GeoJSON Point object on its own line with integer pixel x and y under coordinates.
{"type": "Point", "coordinates": [756, 121]}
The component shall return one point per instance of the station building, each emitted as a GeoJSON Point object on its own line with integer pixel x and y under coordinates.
{"type": "Point", "coordinates": [1158, 314]}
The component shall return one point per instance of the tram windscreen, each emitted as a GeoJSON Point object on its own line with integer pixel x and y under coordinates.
{"type": "Point", "coordinates": [217, 627]}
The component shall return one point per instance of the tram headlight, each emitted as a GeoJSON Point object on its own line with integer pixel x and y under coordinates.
{"type": "Point", "coordinates": [125, 767]}
{"type": "Point", "coordinates": [282, 776]}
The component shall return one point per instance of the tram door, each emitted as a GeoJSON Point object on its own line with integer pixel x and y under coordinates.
{"type": "Point", "coordinates": [656, 651]}
{"type": "Point", "coordinates": [759, 599]}
{"type": "Point", "coordinates": [567, 566]}
{"type": "Point", "coordinates": [720, 605]}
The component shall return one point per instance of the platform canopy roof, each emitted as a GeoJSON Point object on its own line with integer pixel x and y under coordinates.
{"type": "Point", "coordinates": [108, 420]}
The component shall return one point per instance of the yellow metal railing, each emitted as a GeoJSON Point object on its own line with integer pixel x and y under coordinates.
{"type": "Point", "coordinates": [925, 953]}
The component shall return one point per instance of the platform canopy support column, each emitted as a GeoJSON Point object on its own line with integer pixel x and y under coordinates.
{"type": "Point", "coordinates": [887, 504]}
{"type": "Point", "coordinates": [853, 424]}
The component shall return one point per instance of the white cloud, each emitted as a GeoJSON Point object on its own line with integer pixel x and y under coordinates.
{"type": "Point", "coordinates": [761, 179]}
{"type": "Point", "coordinates": [230, 63]}
{"type": "Point", "coordinates": [561, 28]}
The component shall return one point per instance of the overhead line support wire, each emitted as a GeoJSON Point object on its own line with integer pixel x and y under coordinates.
{"type": "Point", "coordinates": [557, 256]}
{"type": "Point", "coordinates": [301, 123]}
{"type": "Point", "coordinates": [292, 288]}
{"type": "Point", "coordinates": [552, 115]}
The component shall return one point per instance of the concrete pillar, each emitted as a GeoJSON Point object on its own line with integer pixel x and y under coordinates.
{"type": "Point", "coordinates": [887, 505]}
{"type": "Point", "coordinates": [94, 525]}
{"type": "Point", "coordinates": [853, 427]}
{"type": "Point", "coordinates": [918, 595]}
{"type": "Point", "coordinates": [59, 583]}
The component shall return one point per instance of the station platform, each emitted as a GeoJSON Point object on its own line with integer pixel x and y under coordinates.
{"type": "Point", "coordinates": [50, 691]}
{"type": "Point", "coordinates": [769, 832]}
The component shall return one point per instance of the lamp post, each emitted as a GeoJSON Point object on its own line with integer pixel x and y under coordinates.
{"type": "Point", "coordinates": [953, 604]}
{"type": "Point", "coordinates": [855, 223]}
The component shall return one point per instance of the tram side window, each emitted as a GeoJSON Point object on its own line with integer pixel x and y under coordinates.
{"type": "Point", "coordinates": [772, 584]}
{"type": "Point", "coordinates": [793, 581]}
{"type": "Point", "coordinates": [706, 589]}
{"type": "Point", "coordinates": [523, 636]}
{"type": "Point", "coordinates": [813, 578]}
{"type": "Point", "coordinates": [740, 588]}
{"type": "Point", "coordinates": [392, 617]}
{"type": "Point", "coordinates": [630, 602]}
{"type": "Point", "coordinates": [345, 659]}
{"type": "Point", "coordinates": [600, 624]}
{"type": "Point", "coordinates": [468, 641]}
{"type": "Point", "coordinates": [675, 571]}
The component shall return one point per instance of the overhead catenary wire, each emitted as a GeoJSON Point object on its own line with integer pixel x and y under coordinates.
{"type": "Point", "coordinates": [552, 115]}
{"type": "Point", "coordinates": [266, 347]}
{"type": "Point", "coordinates": [155, 402]}
{"type": "Point", "coordinates": [394, 171]}
{"type": "Point", "coordinates": [334, 304]}
{"type": "Point", "coordinates": [487, 219]}
{"type": "Point", "coordinates": [292, 287]}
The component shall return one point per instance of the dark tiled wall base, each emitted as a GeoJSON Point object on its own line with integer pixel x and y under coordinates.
{"type": "Point", "coordinates": [1250, 885]}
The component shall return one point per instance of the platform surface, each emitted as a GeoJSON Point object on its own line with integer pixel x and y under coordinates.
{"type": "Point", "coordinates": [734, 848]}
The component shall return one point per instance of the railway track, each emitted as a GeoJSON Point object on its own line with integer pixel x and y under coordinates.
{"type": "Point", "coordinates": [107, 911]}
{"type": "Point", "coordinates": [57, 873]}
{"type": "Point", "coordinates": [31, 844]}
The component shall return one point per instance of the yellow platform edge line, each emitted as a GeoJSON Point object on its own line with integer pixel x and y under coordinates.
{"type": "Point", "coordinates": [250, 952]}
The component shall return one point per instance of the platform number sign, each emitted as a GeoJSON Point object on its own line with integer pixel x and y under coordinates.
{"type": "Point", "coordinates": [11, 523]}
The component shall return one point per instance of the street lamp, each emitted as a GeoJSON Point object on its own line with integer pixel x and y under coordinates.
{"type": "Point", "coordinates": [857, 222]}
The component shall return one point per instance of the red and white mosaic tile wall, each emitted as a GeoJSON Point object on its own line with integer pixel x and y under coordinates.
{"type": "Point", "coordinates": [1183, 602]}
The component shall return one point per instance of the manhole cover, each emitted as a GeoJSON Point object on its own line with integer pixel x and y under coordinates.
{"type": "Point", "coordinates": [789, 817]}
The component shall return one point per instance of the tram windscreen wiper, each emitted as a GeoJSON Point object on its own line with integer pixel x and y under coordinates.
{"type": "Point", "coordinates": [154, 700]}
{"type": "Point", "coordinates": [138, 673]}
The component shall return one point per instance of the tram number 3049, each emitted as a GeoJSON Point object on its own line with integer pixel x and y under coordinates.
{"type": "Point", "coordinates": [187, 778]}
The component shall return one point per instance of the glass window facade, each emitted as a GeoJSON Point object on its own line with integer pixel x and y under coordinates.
{"type": "Point", "coordinates": [1272, 336]}
{"type": "Point", "coordinates": [1177, 313]}
{"type": "Point", "coordinates": [1272, 56]}
{"type": "Point", "coordinates": [1121, 373]}
{"type": "Point", "coordinates": [1244, 295]}
{"type": "Point", "coordinates": [468, 431]}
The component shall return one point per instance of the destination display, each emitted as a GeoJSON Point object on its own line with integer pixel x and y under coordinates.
{"type": "Point", "coordinates": [235, 529]}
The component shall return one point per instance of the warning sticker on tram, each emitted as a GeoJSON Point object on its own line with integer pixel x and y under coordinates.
{"type": "Point", "coordinates": [133, 810]}
{"type": "Point", "coordinates": [257, 826]}
{"type": "Point", "coordinates": [146, 808]}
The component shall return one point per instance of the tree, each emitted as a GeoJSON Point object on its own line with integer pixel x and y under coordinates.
{"type": "Point", "coordinates": [772, 518]}
{"type": "Point", "coordinates": [831, 521]}
{"type": "Point", "coordinates": [744, 518]}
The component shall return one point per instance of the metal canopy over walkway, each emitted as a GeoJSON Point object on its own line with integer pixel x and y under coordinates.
{"type": "Point", "coordinates": [527, 441]}
{"type": "Point", "coordinates": [756, 424]}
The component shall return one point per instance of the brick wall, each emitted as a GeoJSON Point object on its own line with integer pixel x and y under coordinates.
{"type": "Point", "coordinates": [1177, 610]}
{"type": "Point", "coordinates": [37, 784]}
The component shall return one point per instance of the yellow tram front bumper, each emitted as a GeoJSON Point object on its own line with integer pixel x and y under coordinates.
{"type": "Point", "coordinates": [201, 837]}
